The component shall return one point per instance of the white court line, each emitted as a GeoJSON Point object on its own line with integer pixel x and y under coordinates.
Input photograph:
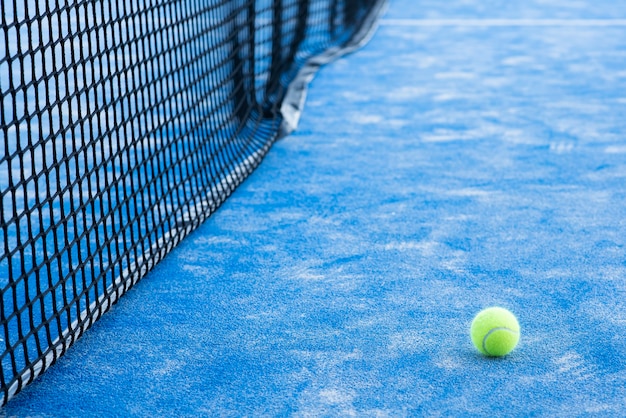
{"type": "Point", "coordinates": [505, 22]}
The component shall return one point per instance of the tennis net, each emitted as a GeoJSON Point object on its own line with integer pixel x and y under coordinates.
{"type": "Point", "coordinates": [124, 124]}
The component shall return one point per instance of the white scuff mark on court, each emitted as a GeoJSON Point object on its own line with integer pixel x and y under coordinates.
{"type": "Point", "coordinates": [350, 96]}
{"type": "Point", "coordinates": [561, 147]}
{"type": "Point", "coordinates": [370, 322]}
{"type": "Point", "coordinates": [615, 149]}
{"type": "Point", "coordinates": [336, 396]}
{"type": "Point", "coordinates": [426, 62]}
{"type": "Point", "coordinates": [198, 271]}
{"type": "Point", "coordinates": [446, 97]}
{"type": "Point", "coordinates": [305, 273]}
{"type": "Point", "coordinates": [331, 397]}
{"type": "Point", "coordinates": [574, 366]}
{"type": "Point", "coordinates": [596, 408]}
{"type": "Point", "coordinates": [214, 239]}
{"type": "Point", "coordinates": [518, 60]}
{"type": "Point", "coordinates": [520, 137]}
{"type": "Point", "coordinates": [408, 342]}
{"type": "Point", "coordinates": [455, 75]}
{"type": "Point", "coordinates": [588, 107]}
{"type": "Point", "coordinates": [407, 92]}
{"type": "Point", "coordinates": [449, 135]}
{"type": "Point", "coordinates": [329, 359]}
{"type": "Point", "coordinates": [469, 192]}
{"type": "Point", "coordinates": [449, 363]}
{"type": "Point", "coordinates": [604, 310]}
{"type": "Point", "coordinates": [495, 81]}
{"type": "Point", "coordinates": [168, 367]}
{"type": "Point", "coordinates": [455, 264]}
{"type": "Point", "coordinates": [366, 119]}
{"type": "Point", "coordinates": [397, 123]}
{"type": "Point", "coordinates": [425, 247]}
{"type": "Point", "coordinates": [444, 136]}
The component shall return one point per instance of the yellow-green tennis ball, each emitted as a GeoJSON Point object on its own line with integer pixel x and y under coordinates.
{"type": "Point", "coordinates": [495, 331]}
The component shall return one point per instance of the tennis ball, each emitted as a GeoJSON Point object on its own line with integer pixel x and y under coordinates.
{"type": "Point", "coordinates": [495, 331]}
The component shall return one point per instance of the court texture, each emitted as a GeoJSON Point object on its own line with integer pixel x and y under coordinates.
{"type": "Point", "coordinates": [464, 154]}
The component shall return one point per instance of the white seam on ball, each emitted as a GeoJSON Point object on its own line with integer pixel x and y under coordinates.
{"type": "Point", "coordinates": [491, 331]}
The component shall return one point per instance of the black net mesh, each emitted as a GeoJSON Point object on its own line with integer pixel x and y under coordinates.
{"type": "Point", "coordinates": [123, 125]}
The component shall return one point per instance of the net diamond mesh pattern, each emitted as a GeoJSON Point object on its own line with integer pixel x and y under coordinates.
{"type": "Point", "coordinates": [124, 125]}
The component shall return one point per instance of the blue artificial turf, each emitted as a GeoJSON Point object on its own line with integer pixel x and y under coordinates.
{"type": "Point", "coordinates": [439, 170]}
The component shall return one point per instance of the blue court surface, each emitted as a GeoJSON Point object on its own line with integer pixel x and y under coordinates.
{"type": "Point", "coordinates": [472, 154]}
